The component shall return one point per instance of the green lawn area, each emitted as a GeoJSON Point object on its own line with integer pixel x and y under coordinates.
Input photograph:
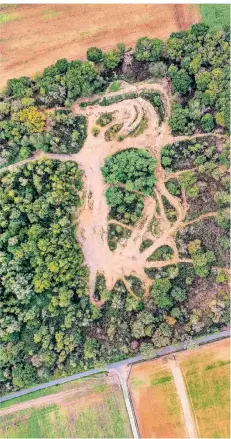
{"type": "Point", "coordinates": [95, 410]}
{"type": "Point", "coordinates": [115, 86]}
{"type": "Point", "coordinates": [215, 15]}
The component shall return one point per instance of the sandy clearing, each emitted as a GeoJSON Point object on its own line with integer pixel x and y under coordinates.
{"type": "Point", "coordinates": [41, 34]}
{"type": "Point", "coordinates": [92, 217]}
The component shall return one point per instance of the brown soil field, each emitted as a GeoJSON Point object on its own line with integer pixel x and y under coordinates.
{"type": "Point", "coordinates": [155, 401]}
{"type": "Point", "coordinates": [206, 372]}
{"type": "Point", "coordinates": [35, 36]}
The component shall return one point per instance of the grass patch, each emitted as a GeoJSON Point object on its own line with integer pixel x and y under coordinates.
{"type": "Point", "coordinates": [217, 364]}
{"type": "Point", "coordinates": [140, 128]}
{"type": "Point", "coordinates": [161, 380]}
{"type": "Point", "coordinates": [99, 388]}
{"type": "Point", "coordinates": [215, 16]}
{"type": "Point", "coordinates": [51, 14]}
{"type": "Point", "coordinates": [111, 132]}
{"type": "Point", "coordinates": [115, 86]}
{"type": "Point", "coordinates": [6, 18]}
{"type": "Point", "coordinates": [84, 34]}
{"type": "Point", "coordinates": [136, 382]}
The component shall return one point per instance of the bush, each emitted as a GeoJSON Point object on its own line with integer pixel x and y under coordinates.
{"type": "Point", "coordinates": [112, 131]}
{"type": "Point", "coordinates": [94, 54]}
{"type": "Point", "coordinates": [158, 69]}
{"type": "Point", "coordinates": [148, 50]}
{"type": "Point", "coordinates": [104, 119]}
{"type": "Point", "coordinates": [111, 59]}
{"type": "Point", "coordinates": [121, 47]}
{"type": "Point", "coordinates": [207, 123]}
{"type": "Point", "coordinates": [33, 119]}
{"type": "Point", "coordinates": [95, 131]}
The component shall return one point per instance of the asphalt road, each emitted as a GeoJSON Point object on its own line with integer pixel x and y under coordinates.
{"type": "Point", "coordinates": [117, 365]}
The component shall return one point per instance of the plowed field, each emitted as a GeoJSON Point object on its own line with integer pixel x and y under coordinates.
{"type": "Point", "coordinates": [35, 36]}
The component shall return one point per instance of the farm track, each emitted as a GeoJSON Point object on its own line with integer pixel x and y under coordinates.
{"type": "Point", "coordinates": [183, 397]}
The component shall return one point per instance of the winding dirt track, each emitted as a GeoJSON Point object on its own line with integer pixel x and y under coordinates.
{"type": "Point", "coordinates": [92, 217]}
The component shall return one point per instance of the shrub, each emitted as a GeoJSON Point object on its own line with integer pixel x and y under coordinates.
{"type": "Point", "coordinates": [148, 49]}
{"type": "Point", "coordinates": [95, 131]}
{"type": "Point", "coordinates": [104, 119]}
{"type": "Point", "coordinates": [121, 47]}
{"type": "Point", "coordinates": [94, 54]}
{"type": "Point", "coordinates": [33, 119]}
{"type": "Point", "coordinates": [111, 59]}
{"type": "Point", "coordinates": [158, 69]}
{"type": "Point", "coordinates": [207, 123]}
{"type": "Point", "coordinates": [147, 351]}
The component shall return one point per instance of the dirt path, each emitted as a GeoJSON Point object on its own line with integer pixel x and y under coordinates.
{"type": "Point", "coordinates": [92, 218]}
{"type": "Point", "coordinates": [182, 394]}
{"type": "Point", "coordinates": [55, 398]}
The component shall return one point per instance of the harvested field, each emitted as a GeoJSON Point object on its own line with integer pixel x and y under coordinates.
{"type": "Point", "coordinates": [206, 372]}
{"type": "Point", "coordinates": [156, 401]}
{"type": "Point", "coordinates": [35, 36]}
{"type": "Point", "coordinates": [93, 407]}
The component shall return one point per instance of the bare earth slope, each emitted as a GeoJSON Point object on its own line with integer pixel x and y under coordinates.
{"type": "Point", "coordinates": [35, 36]}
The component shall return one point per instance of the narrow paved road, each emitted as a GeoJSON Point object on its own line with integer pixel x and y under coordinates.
{"type": "Point", "coordinates": [164, 351]}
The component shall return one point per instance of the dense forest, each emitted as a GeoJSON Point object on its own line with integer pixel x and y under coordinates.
{"type": "Point", "coordinates": [48, 325]}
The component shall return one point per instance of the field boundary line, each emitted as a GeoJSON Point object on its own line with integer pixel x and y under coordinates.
{"type": "Point", "coordinates": [131, 400]}
{"type": "Point", "coordinates": [129, 406]}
